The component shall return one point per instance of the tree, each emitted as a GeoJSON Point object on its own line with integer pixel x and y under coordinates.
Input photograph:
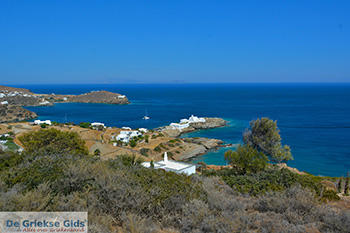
{"type": "Point", "coordinates": [264, 136]}
{"type": "Point", "coordinates": [152, 164]}
{"type": "Point", "coordinates": [340, 185]}
{"type": "Point", "coordinates": [85, 124]}
{"type": "Point", "coordinates": [347, 183]}
{"type": "Point", "coordinates": [132, 143]}
{"type": "Point", "coordinates": [53, 141]}
{"type": "Point", "coordinates": [97, 152]}
{"type": "Point", "coordinates": [247, 159]}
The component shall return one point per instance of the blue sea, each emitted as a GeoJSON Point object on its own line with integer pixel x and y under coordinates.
{"type": "Point", "coordinates": [314, 119]}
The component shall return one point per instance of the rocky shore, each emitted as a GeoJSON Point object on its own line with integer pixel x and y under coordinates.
{"type": "Point", "coordinates": [209, 123]}
{"type": "Point", "coordinates": [198, 146]}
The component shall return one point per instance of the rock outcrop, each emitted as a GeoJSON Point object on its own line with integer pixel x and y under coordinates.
{"type": "Point", "coordinates": [210, 123]}
{"type": "Point", "coordinates": [11, 113]}
{"type": "Point", "coordinates": [198, 146]}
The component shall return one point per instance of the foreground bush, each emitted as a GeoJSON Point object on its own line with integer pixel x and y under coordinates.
{"type": "Point", "coordinates": [53, 141]}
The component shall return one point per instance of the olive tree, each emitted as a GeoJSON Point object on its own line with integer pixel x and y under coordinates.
{"type": "Point", "coordinates": [247, 159]}
{"type": "Point", "coordinates": [264, 136]}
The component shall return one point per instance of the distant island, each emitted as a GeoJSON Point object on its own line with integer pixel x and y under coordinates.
{"type": "Point", "coordinates": [13, 99]}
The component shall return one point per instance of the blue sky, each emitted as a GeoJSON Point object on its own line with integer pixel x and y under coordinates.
{"type": "Point", "coordinates": [174, 41]}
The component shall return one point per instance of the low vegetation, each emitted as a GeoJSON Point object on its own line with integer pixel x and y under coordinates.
{"type": "Point", "coordinates": [56, 173]}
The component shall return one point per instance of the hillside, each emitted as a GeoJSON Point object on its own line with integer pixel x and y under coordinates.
{"type": "Point", "coordinates": [10, 113]}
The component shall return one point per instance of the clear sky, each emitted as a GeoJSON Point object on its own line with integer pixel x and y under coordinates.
{"type": "Point", "coordinates": [151, 41]}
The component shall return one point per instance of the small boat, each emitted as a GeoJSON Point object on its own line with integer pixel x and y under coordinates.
{"type": "Point", "coordinates": [146, 117]}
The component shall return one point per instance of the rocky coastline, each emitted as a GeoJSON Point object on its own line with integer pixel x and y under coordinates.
{"type": "Point", "coordinates": [210, 123]}
{"type": "Point", "coordinates": [13, 99]}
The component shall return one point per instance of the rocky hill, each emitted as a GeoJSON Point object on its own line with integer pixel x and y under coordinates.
{"type": "Point", "coordinates": [10, 113]}
{"type": "Point", "coordinates": [10, 96]}
{"type": "Point", "coordinates": [105, 97]}
{"type": "Point", "coordinates": [14, 89]}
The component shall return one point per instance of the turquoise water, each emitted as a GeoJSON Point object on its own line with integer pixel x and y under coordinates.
{"type": "Point", "coordinates": [314, 119]}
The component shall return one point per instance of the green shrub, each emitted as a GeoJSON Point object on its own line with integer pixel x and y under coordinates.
{"type": "Point", "coordinates": [85, 124]}
{"type": "Point", "coordinates": [53, 141]}
{"type": "Point", "coordinates": [97, 152]}
{"type": "Point", "coordinates": [247, 159]}
{"type": "Point", "coordinates": [144, 151]}
{"type": "Point", "coordinates": [132, 143]}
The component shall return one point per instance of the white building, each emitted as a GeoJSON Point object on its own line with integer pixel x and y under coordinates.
{"type": "Point", "coordinates": [185, 123]}
{"type": "Point", "coordinates": [125, 136]}
{"type": "Point", "coordinates": [4, 102]}
{"type": "Point", "coordinates": [173, 166]}
{"type": "Point", "coordinates": [39, 122]}
{"type": "Point", "coordinates": [143, 130]}
{"type": "Point", "coordinates": [193, 119]}
{"type": "Point", "coordinates": [44, 102]}
{"type": "Point", "coordinates": [121, 96]}
{"type": "Point", "coordinates": [128, 128]}
{"type": "Point", "coordinates": [97, 125]}
{"type": "Point", "coordinates": [179, 126]}
{"type": "Point", "coordinates": [2, 95]}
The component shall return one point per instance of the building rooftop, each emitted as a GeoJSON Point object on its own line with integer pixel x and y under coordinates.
{"type": "Point", "coordinates": [170, 165]}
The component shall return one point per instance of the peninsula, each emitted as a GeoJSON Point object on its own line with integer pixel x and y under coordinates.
{"type": "Point", "coordinates": [13, 99]}
{"type": "Point", "coordinates": [192, 124]}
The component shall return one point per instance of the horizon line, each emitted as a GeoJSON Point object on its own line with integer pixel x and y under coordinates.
{"type": "Point", "coordinates": [171, 83]}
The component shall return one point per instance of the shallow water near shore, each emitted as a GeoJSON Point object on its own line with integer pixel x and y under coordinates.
{"type": "Point", "coordinates": [314, 119]}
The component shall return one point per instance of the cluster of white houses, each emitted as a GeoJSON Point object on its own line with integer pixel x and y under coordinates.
{"type": "Point", "coordinates": [40, 122]}
{"type": "Point", "coordinates": [185, 123]}
{"type": "Point", "coordinates": [127, 134]}
{"type": "Point", "coordinates": [6, 93]}
{"type": "Point", "coordinates": [173, 166]}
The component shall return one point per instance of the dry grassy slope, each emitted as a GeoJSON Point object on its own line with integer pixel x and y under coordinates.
{"type": "Point", "coordinates": [177, 148]}
{"type": "Point", "coordinates": [5, 88]}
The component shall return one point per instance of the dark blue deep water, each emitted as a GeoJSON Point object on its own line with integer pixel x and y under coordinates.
{"type": "Point", "coordinates": [314, 119]}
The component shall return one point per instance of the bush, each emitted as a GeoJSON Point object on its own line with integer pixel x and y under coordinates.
{"type": "Point", "coordinates": [97, 152]}
{"type": "Point", "coordinates": [262, 182]}
{"type": "Point", "coordinates": [144, 151]}
{"type": "Point", "coordinates": [247, 159]}
{"type": "Point", "coordinates": [85, 124]}
{"type": "Point", "coordinates": [132, 143]}
{"type": "Point", "coordinates": [53, 141]}
{"type": "Point", "coordinates": [157, 149]}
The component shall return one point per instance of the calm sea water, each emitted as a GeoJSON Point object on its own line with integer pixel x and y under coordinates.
{"type": "Point", "coordinates": [314, 119]}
